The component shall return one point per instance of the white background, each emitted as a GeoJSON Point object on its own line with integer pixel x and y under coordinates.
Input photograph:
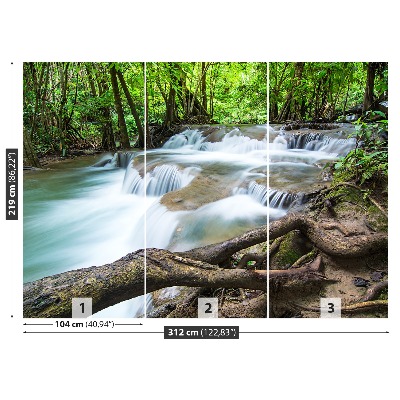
{"type": "Point", "coordinates": [105, 366]}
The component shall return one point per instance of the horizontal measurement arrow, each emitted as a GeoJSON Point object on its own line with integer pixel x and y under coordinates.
{"type": "Point", "coordinates": [129, 324]}
{"type": "Point", "coordinates": [316, 332]}
{"type": "Point", "coordinates": [38, 324]}
{"type": "Point", "coordinates": [90, 332]}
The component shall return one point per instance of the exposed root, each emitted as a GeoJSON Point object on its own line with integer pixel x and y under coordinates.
{"type": "Point", "coordinates": [260, 259]}
{"type": "Point", "coordinates": [349, 247]}
{"type": "Point", "coordinates": [365, 306]}
{"type": "Point", "coordinates": [124, 279]}
{"type": "Point", "coordinates": [303, 259]}
{"type": "Point", "coordinates": [275, 246]}
{"type": "Point", "coordinates": [336, 226]}
{"type": "Point", "coordinates": [374, 291]}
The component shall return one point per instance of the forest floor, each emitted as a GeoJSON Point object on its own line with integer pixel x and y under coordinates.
{"type": "Point", "coordinates": [351, 215]}
{"type": "Point", "coordinates": [347, 278]}
{"type": "Point", "coordinates": [51, 158]}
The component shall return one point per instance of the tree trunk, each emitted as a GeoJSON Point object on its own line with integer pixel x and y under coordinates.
{"type": "Point", "coordinates": [107, 138]}
{"type": "Point", "coordinates": [351, 247]}
{"type": "Point", "coordinates": [170, 112]}
{"type": "Point", "coordinates": [148, 142]}
{"type": "Point", "coordinates": [120, 111]}
{"type": "Point", "coordinates": [30, 157]}
{"type": "Point", "coordinates": [43, 113]}
{"type": "Point", "coordinates": [203, 86]}
{"type": "Point", "coordinates": [289, 105]}
{"type": "Point", "coordinates": [171, 116]}
{"type": "Point", "coordinates": [90, 79]}
{"type": "Point", "coordinates": [123, 279]}
{"type": "Point", "coordinates": [62, 116]}
{"type": "Point", "coordinates": [369, 87]}
{"type": "Point", "coordinates": [37, 84]}
{"type": "Point", "coordinates": [133, 109]}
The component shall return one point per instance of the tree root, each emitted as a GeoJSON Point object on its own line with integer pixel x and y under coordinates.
{"type": "Point", "coordinates": [302, 259]}
{"type": "Point", "coordinates": [175, 306]}
{"type": "Point", "coordinates": [334, 225]}
{"type": "Point", "coordinates": [123, 279]}
{"type": "Point", "coordinates": [364, 306]}
{"type": "Point", "coordinates": [351, 247]}
{"type": "Point", "coordinates": [275, 246]}
{"type": "Point", "coordinates": [260, 259]}
{"type": "Point", "coordinates": [374, 291]}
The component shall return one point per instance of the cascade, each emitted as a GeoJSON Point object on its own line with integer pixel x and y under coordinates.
{"type": "Point", "coordinates": [275, 198]}
{"type": "Point", "coordinates": [189, 137]}
{"type": "Point", "coordinates": [317, 141]}
{"type": "Point", "coordinates": [91, 216]}
{"type": "Point", "coordinates": [162, 179]}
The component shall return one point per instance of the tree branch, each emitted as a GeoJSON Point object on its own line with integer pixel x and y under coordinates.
{"type": "Point", "coordinates": [350, 247]}
{"type": "Point", "coordinates": [123, 279]}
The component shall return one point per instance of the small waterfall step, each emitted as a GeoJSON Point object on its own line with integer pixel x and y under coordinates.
{"type": "Point", "coordinates": [162, 179]}
{"type": "Point", "coordinates": [275, 198]}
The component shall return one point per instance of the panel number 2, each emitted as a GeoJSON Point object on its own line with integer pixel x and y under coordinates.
{"type": "Point", "coordinates": [208, 310]}
{"type": "Point", "coordinates": [207, 307]}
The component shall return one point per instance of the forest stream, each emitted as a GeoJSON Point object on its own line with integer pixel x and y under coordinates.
{"type": "Point", "coordinates": [205, 185]}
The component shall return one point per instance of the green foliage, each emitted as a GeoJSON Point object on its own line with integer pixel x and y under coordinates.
{"type": "Point", "coordinates": [369, 160]}
{"type": "Point", "coordinates": [318, 90]}
{"type": "Point", "coordinates": [233, 93]}
{"type": "Point", "coordinates": [241, 94]}
{"type": "Point", "coordinates": [71, 104]}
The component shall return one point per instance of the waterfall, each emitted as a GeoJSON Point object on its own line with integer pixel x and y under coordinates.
{"type": "Point", "coordinates": [81, 217]}
{"type": "Point", "coordinates": [316, 141]}
{"type": "Point", "coordinates": [123, 159]}
{"type": "Point", "coordinates": [275, 198]}
{"type": "Point", "coordinates": [105, 161]}
{"type": "Point", "coordinates": [163, 179]}
{"type": "Point", "coordinates": [232, 142]}
{"type": "Point", "coordinates": [282, 200]}
{"type": "Point", "coordinates": [161, 225]}
{"type": "Point", "coordinates": [133, 182]}
{"type": "Point", "coordinates": [189, 137]}
{"type": "Point", "coordinates": [236, 144]}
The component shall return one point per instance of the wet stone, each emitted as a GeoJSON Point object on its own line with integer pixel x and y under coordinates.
{"type": "Point", "coordinates": [377, 276]}
{"type": "Point", "coordinates": [360, 282]}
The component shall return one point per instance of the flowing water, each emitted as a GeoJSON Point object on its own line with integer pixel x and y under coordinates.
{"type": "Point", "coordinates": [197, 189]}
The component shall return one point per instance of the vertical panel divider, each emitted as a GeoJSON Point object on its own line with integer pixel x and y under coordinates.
{"type": "Point", "coordinates": [268, 162]}
{"type": "Point", "coordinates": [145, 186]}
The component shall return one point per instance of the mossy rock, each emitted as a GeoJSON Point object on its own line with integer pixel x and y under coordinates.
{"type": "Point", "coordinates": [356, 201]}
{"type": "Point", "coordinates": [293, 246]}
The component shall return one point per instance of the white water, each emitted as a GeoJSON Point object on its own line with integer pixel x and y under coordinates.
{"type": "Point", "coordinates": [163, 179]}
{"type": "Point", "coordinates": [82, 216]}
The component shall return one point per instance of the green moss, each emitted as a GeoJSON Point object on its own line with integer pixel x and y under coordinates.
{"type": "Point", "coordinates": [383, 295]}
{"type": "Point", "coordinates": [288, 252]}
{"type": "Point", "coordinates": [347, 199]}
{"type": "Point", "coordinates": [345, 193]}
{"type": "Point", "coordinates": [377, 219]}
